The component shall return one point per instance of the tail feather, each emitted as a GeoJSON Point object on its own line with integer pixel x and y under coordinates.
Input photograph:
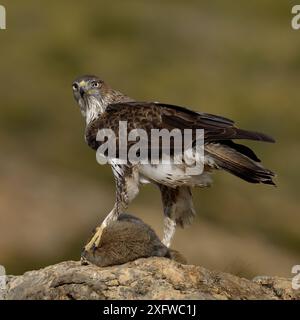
{"type": "Point", "coordinates": [241, 149]}
{"type": "Point", "coordinates": [239, 164]}
{"type": "Point", "coordinates": [252, 135]}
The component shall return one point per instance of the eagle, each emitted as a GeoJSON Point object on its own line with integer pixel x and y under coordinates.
{"type": "Point", "coordinates": [104, 107]}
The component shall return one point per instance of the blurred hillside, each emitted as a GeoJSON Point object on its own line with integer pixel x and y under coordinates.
{"type": "Point", "coordinates": [239, 59]}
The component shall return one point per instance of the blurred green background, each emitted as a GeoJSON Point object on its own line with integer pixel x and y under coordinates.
{"type": "Point", "coordinates": [239, 59]}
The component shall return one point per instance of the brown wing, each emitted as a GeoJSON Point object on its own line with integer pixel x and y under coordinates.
{"type": "Point", "coordinates": [216, 128]}
{"type": "Point", "coordinates": [148, 115]}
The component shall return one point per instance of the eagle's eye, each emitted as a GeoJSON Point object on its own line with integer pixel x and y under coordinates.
{"type": "Point", "coordinates": [95, 84]}
{"type": "Point", "coordinates": [75, 86]}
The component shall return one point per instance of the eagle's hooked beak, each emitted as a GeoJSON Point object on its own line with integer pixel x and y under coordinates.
{"type": "Point", "coordinates": [82, 88]}
{"type": "Point", "coordinates": [81, 91]}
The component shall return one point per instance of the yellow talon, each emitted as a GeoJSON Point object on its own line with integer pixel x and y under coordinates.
{"type": "Point", "coordinates": [95, 241]}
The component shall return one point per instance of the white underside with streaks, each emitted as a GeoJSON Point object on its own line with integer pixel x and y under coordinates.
{"type": "Point", "coordinates": [174, 175]}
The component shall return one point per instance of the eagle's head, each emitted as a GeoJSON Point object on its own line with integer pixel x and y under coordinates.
{"type": "Point", "coordinates": [92, 95]}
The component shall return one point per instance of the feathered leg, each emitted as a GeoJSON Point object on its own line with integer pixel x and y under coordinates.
{"type": "Point", "coordinates": [127, 187]}
{"type": "Point", "coordinates": [178, 209]}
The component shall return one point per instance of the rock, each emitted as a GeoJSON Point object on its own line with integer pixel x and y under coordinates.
{"type": "Point", "coordinates": [282, 287]}
{"type": "Point", "coordinates": [146, 278]}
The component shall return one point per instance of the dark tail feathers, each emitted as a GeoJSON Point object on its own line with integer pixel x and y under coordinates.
{"type": "Point", "coordinates": [239, 164]}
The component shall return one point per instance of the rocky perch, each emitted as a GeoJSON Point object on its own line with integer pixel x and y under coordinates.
{"type": "Point", "coordinates": [146, 278]}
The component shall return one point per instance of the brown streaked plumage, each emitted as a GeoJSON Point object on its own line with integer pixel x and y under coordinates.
{"type": "Point", "coordinates": [104, 107]}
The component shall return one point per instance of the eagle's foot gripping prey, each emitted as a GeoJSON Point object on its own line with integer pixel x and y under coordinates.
{"type": "Point", "coordinates": [95, 241]}
{"type": "Point", "coordinates": [92, 245]}
{"type": "Point", "coordinates": [125, 240]}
